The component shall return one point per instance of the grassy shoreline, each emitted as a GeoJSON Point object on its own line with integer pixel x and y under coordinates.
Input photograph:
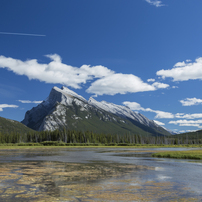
{"type": "Point", "coordinates": [192, 154]}
{"type": "Point", "coordinates": [52, 144]}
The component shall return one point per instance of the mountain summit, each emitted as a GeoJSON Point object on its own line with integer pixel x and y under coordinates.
{"type": "Point", "coordinates": [66, 109]}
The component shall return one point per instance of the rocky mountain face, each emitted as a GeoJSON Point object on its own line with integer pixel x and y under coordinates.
{"type": "Point", "coordinates": [66, 109]}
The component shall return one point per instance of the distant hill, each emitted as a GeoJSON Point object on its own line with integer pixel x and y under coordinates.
{"type": "Point", "coordinates": [194, 136]}
{"type": "Point", "coordinates": [8, 125]}
{"type": "Point", "coordinates": [66, 109]}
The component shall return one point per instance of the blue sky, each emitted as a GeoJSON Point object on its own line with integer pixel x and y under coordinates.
{"type": "Point", "coordinates": [145, 54]}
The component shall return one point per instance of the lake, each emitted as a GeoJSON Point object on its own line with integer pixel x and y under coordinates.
{"type": "Point", "coordinates": [97, 174]}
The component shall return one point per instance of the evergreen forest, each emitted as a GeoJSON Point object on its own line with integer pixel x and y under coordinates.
{"type": "Point", "coordinates": [73, 137]}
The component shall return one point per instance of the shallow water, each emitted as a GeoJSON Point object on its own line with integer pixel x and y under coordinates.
{"type": "Point", "coordinates": [97, 174]}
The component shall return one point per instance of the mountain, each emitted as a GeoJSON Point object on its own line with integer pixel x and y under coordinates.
{"type": "Point", "coordinates": [8, 126]}
{"type": "Point", "coordinates": [66, 109]}
{"type": "Point", "coordinates": [170, 131]}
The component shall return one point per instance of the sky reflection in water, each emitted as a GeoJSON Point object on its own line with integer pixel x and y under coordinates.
{"type": "Point", "coordinates": [90, 174]}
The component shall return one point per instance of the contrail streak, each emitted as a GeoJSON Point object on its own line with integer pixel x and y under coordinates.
{"type": "Point", "coordinates": [22, 34]}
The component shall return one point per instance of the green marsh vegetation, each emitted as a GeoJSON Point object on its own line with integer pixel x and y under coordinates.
{"type": "Point", "coordinates": [191, 154]}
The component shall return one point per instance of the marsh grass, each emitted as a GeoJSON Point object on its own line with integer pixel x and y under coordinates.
{"type": "Point", "coordinates": [56, 144]}
{"type": "Point", "coordinates": [193, 154]}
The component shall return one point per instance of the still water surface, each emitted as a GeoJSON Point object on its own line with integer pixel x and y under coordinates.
{"type": "Point", "coordinates": [97, 174]}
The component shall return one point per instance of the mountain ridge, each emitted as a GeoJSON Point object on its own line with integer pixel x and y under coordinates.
{"type": "Point", "coordinates": [12, 126]}
{"type": "Point", "coordinates": [65, 108]}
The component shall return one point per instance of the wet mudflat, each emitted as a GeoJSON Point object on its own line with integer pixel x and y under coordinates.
{"type": "Point", "coordinates": [96, 174]}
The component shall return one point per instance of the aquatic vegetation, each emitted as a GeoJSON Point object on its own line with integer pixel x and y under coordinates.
{"type": "Point", "coordinates": [191, 154]}
{"type": "Point", "coordinates": [100, 181]}
{"type": "Point", "coordinates": [90, 181]}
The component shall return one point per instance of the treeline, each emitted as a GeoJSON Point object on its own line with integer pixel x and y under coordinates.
{"type": "Point", "coordinates": [87, 137]}
{"type": "Point", "coordinates": [189, 138]}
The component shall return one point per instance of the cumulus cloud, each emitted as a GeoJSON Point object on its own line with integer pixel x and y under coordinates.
{"type": "Point", "coordinates": [191, 101]}
{"type": "Point", "coordinates": [159, 123]}
{"type": "Point", "coordinates": [180, 64]}
{"type": "Point", "coordinates": [162, 114]}
{"type": "Point", "coordinates": [133, 105]}
{"type": "Point", "coordinates": [183, 71]}
{"type": "Point", "coordinates": [104, 80]}
{"type": "Point", "coordinates": [54, 57]}
{"type": "Point", "coordinates": [188, 116]}
{"type": "Point", "coordinates": [156, 3]}
{"type": "Point", "coordinates": [193, 123]}
{"type": "Point", "coordinates": [55, 71]}
{"type": "Point", "coordinates": [167, 115]}
{"type": "Point", "coordinates": [150, 80]}
{"type": "Point", "coordinates": [184, 131]}
{"type": "Point", "coordinates": [160, 85]}
{"type": "Point", "coordinates": [2, 106]}
{"type": "Point", "coordinates": [28, 101]}
{"type": "Point", "coordinates": [122, 83]}
{"type": "Point", "coordinates": [174, 86]}
{"type": "Point", "coordinates": [119, 83]}
{"type": "Point", "coordinates": [159, 114]}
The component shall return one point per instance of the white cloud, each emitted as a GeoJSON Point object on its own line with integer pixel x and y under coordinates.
{"type": "Point", "coordinates": [183, 71]}
{"type": "Point", "coordinates": [122, 83]}
{"type": "Point", "coordinates": [133, 105]}
{"type": "Point", "coordinates": [106, 80]}
{"type": "Point", "coordinates": [191, 101]}
{"type": "Point", "coordinates": [94, 95]}
{"type": "Point", "coordinates": [54, 57]}
{"type": "Point", "coordinates": [174, 86]}
{"type": "Point", "coordinates": [184, 131]}
{"type": "Point", "coordinates": [159, 123]}
{"type": "Point", "coordinates": [2, 106]}
{"type": "Point", "coordinates": [163, 115]}
{"type": "Point", "coordinates": [192, 123]}
{"type": "Point", "coordinates": [156, 3]}
{"type": "Point", "coordinates": [160, 85]}
{"type": "Point", "coordinates": [188, 116]}
{"type": "Point", "coordinates": [55, 71]}
{"type": "Point", "coordinates": [28, 101]}
{"type": "Point", "coordinates": [150, 80]}
{"type": "Point", "coordinates": [180, 64]}
{"type": "Point", "coordinates": [119, 83]}
{"type": "Point", "coordinates": [159, 114]}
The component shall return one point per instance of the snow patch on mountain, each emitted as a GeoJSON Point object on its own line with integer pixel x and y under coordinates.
{"type": "Point", "coordinates": [54, 119]}
{"type": "Point", "coordinates": [52, 113]}
{"type": "Point", "coordinates": [122, 111]}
